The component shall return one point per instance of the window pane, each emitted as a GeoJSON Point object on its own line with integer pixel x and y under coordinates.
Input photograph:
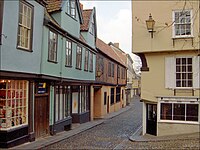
{"type": "Point", "coordinates": [178, 61]}
{"type": "Point", "coordinates": [192, 112]}
{"type": "Point", "coordinates": [178, 76]}
{"type": "Point", "coordinates": [190, 83]}
{"type": "Point", "coordinates": [86, 59]}
{"type": "Point", "coordinates": [179, 112]}
{"type": "Point", "coordinates": [183, 60]}
{"type": "Point", "coordinates": [91, 62]}
{"type": "Point", "coordinates": [166, 111]}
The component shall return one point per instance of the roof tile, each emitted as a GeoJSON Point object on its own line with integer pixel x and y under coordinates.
{"type": "Point", "coordinates": [53, 5]}
{"type": "Point", "coordinates": [106, 49]}
{"type": "Point", "coordinates": [86, 18]}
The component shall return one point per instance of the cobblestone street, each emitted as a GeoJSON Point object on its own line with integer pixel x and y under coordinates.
{"type": "Point", "coordinates": [115, 133]}
{"type": "Point", "coordinates": [109, 134]}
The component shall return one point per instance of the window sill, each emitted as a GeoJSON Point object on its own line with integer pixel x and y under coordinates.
{"type": "Point", "coordinates": [183, 88]}
{"type": "Point", "coordinates": [68, 66]}
{"type": "Point", "coordinates": [178, 122]}
{"type": "Point", "coordinates": [14, 128]}
{"type": "Point", "coordinates": [51, 61]}
{"type": "Point", "coordinates": [183, 37]}
{"type": "Point", "coordinates": [71, 16]}
{"type": "Point", "coordinates": [78, 68]}
{"type": "Point", "coordinates": [24, 49]}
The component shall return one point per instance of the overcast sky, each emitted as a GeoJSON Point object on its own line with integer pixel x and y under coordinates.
{"type": "Point", "coordinates": [113, 22]}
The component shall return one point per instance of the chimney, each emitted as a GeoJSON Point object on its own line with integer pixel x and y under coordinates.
{"type": "Point", "coordinates": [116, 45]}
{"type": "Point", "coordinates": [81, 6]}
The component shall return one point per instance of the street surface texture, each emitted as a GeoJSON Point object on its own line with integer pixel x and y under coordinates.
{"type": "Point", "coordinates": [114, 134]}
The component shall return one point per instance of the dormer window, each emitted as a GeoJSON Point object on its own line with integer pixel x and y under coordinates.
{"type": "Point", "coordinates": [71, 8]}
{"type": "Point", "coordinates": [182, 26]}
{"type": "Point", "coordinates": [92, 28]}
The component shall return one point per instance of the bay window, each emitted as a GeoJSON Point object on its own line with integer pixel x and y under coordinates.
{"type": "Point", "coordinates": [13, 103]}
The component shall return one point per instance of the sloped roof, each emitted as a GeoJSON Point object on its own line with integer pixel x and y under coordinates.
{"type": "Point", "coordinates": [53, 5]}
{"type": "Point", "coordinates": [107, 50]}
{"type": "Point", "coordinates": [50, 18]}
{"type": "Point", "coordinates": [86, 17]}
{"type": "Point", "coordinates": [122, 56]}
{"type": "Point", "coordinates": [82, 39]}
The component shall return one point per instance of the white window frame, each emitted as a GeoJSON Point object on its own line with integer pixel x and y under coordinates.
{"type": "Point", "coordinates": [78, 57]}
{"type": "Point", "coordinates": [25, 22]}
{"type": "Point", "coordinates": [181, 72]}
{"type": "Point", "coordinates": [68, 62]}
{"type": "Point", "coordinates": [52, 46]}
{"type": "Point", "coordinates": [18, 90]}
{"type": "Point", "coordinates": [174, 24]}
{"type": "Point", "coordinates": [170, 72]}
{"type": "Point", "coordinates": [71, 8]}
{"type": "Point", "coordinates": [175, 101]}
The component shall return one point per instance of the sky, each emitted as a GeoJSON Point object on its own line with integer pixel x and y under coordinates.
{"type": "Point", "coordinates": [114, 23]}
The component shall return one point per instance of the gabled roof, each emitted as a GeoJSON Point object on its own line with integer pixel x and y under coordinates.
{"type": "Point", "coordinates": [56, 5]}
{"type": "Point", "coordinates": [53, 5]}
{"type": "Point", "coordinates": [86, 17]}
{"type": "Point", "coordinates": [120, 53]}
{"type": "Point", "coordinates": [107, 50]}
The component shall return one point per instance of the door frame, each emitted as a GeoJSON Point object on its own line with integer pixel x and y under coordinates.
{"type": "Point", "coordinates": [151, 123]}
{"type": "Point", "coordinates": [47, 94]}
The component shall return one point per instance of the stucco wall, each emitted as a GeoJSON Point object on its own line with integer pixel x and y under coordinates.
{"type": "Point", "coordinates": [175, 128]}
{"type": "Point", "coordinates": [162, 14]}
{"type": "Point", "coordinates": [153, 81]}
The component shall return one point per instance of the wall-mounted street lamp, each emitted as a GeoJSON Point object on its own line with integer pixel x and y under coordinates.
{"type": "Point", "coordinates": [150, 25]}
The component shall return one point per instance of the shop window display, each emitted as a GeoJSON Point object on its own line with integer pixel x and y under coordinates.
{"type": "Point", "coordinates": [13, 103]}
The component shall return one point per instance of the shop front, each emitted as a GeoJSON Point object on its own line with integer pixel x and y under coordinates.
{"type": "Point", "coordinates": [62, 119]}
{"type": "Point", "coordinates": [80, 103]}
{"type": "Point", "coordinates": [14, 100]}
{"type": "Point", "coordinates": [70, 105]}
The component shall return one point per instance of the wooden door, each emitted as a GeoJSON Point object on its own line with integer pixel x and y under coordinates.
{"type": "Point", "coordinates": [152, 119]}
{"type": "Point", "coordinates": [41, 116]}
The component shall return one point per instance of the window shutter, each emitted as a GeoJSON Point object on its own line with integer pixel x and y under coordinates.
{"type": "Point", "coordinates": [196, 69]}
{"type": "Point", "coordinates": [170, 70]}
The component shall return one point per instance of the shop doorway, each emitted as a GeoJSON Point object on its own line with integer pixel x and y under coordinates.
{"type": "Point", "coordinates": [41, 112]}
{"type": "Point", "coordinates": [151, 119]}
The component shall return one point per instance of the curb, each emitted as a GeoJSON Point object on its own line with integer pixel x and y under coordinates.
{"type": "Point", "coordinates": [49, 140]}
{"type": "Point", "coordinates": [136, 134]}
